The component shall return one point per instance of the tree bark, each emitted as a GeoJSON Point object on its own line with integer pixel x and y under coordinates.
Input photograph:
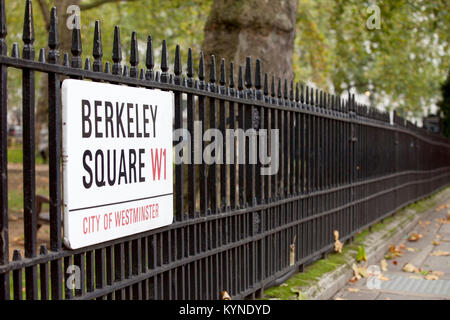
{"type": "Point", "coordinates": [262, 29]}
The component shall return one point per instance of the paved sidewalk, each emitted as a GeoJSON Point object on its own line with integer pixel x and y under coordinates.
{"type": "Point", "coordinates": [428, 259]}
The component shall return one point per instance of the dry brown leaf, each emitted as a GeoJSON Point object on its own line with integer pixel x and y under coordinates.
{"type": "Point", "coordinates": [431, 277]}
{"type": "Point", "coordinates": [353, 280]}
{"type": "Point", "coordinates": [395, 262]}
{"type": "Point", "coordinates": [435, 243]}
{"type": "Point", "coordinates": [384, 265]}
{"type": "Point", "coordinates": [337, 244]}
{"type": "Point", "coordinates": [411, 249]}
{"type": "Point", "coordinates": [415, 237]}
{"type": "Point", "coordinates": [409, 268]}
{"type": "Point", "coordinates": [440, 253]}
{"type": "Point", "coordinates": [353, 289]}
{"type": "Point", "coordinates": [438, 273]}
{"type": "Point", "coordinates": [356, 272]}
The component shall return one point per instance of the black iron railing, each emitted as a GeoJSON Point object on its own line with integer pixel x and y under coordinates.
{"type": "Point", "coordinates": [342, 166]}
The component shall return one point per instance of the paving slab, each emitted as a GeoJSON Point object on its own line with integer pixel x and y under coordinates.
{"type": "Point", "coordinates": [401, 285]}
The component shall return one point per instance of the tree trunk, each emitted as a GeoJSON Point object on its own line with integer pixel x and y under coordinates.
{"type": "Point", "coordinates": [65, 43]}
{"type": "Point", "coordinates": [262, 29]}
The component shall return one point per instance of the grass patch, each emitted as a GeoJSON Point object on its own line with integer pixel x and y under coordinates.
{"type": "Point", "coordinates": [15, 199]}
{"type": "Point", "coordinates": [15, 155]}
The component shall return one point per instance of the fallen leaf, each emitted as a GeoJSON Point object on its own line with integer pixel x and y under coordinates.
{"type": "Point", "coordinates": [353, 280]}
{"type": "Point", "coordinates": [438, 273]}
{"type": "Point", "coordinates": [353, 289]}
{"type": "Point", "coordinates": [431, 277]}
{"type": "Point", "coordinates": [339, 298]}
{"type": "Point", "coordinates": [415, 237]}
{"type": "Point", "coordinates": [440, 253]}
{"type": "Point", "coordinates": [383, 278]}
{"type": "Point", "coordinates": [436, 243]}
{"type": "Point", "coordinates": [409, 268]}
{"type": "Point", "coordinates": [384, 265]}
{"type": "Point", "coordinates": [337, 243]}
{"type": "Point", "coordinates": [395, 262]}
{"type": "Point", "coordinates": [361, 255]}
{"type": "Point", "coordinates": [284, 285]}
{"type": "Point", "coordinates": [411, 249]}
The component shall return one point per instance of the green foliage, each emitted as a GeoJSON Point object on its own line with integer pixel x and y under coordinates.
{"type": "Point", "coordinates": [401, 63]}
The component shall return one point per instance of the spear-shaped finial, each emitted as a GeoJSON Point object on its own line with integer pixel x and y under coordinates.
{"type": "Point", "coordinates": [177, 69]}
{"type": "Point", "coordinates": [28, 32]}
{"type": "Point", "coordinates": [134, 56]}
{"type": "Point", "coordinates": [212, 69]}
{"type": "Point", "coordinates": [97, 48]}
{"type": "Point", "coordinates": [53, 39]}
{"type": "Point", "coordinates": [240, 79]}
{"type": "Point", "coordinates": [164, 64]}
{"type": "Point", "coordinates": [231, 75]}
{"type": "Point", "coordinates": [258, 74]}
{"type": "Point", "coordinates": [248, 72]}
{"type": "Point", "coordinates": [201, 67]}
{"type": "Point", "coordinates": [190, 64]}
{"type": "Point", "coordinates": [117, 52]}
{"type": "Point", "coordinates": [149, 60]}
{"type": "Point", "coordinates": [76, 44]}
{"type": "Point", "coordinates": [223, 75]}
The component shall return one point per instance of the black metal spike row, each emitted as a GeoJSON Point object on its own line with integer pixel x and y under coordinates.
{"type": "Point", "coordinates": [97, 48]}
{"type": "Point", "coordinates": [76, 45]}
{"type": "Point", "coordinates": [164, 64]}
{"type": "Point", "coordinates": [134, 56]}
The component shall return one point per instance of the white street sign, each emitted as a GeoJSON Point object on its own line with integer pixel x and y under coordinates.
{"type": "Point", "coordinates": [117, 161]}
